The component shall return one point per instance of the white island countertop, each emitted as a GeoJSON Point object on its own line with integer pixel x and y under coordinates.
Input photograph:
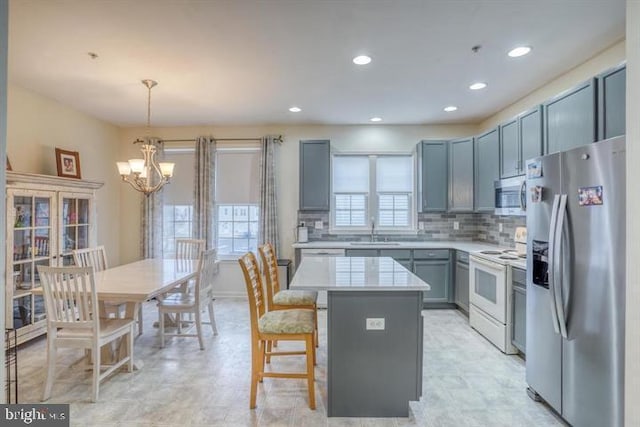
{"type": "Point", "coordinates": [355, 274]}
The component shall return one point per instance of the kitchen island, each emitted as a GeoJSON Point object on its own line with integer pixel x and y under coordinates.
{"type": "Point", "coordinates": [374, 342]}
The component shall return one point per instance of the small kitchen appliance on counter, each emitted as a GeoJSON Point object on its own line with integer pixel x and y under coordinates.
{"type": "Point", "coordinates": [303, 233]}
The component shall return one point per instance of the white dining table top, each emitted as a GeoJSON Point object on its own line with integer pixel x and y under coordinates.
{"type": "Point", "coordinates": [355, 274]}
{"type": "Point", "coordinates": [142, 280]}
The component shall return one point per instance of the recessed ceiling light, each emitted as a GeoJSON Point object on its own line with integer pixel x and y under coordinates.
{"type": "Point", "coordinates": [375, 119]}
{"type": "Point", "coordinates": [295, 109]}
{"type": "Point", "coordinates": [450, 108]}
{"type": "Point", "coordinates": [362, 60]}
{"type": "Point", "coordinates": [478, 86]}
{"type": "Point", "coordinates": [519, 51]}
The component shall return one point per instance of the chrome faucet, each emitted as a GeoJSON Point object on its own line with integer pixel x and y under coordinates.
{"type": "Point", "coordinates": [373, 226]}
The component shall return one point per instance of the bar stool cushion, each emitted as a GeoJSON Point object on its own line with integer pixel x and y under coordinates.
{"type": "Point", "coordinates": [295, 321]}
{"type": "Point", "coordinates": [295, 297]}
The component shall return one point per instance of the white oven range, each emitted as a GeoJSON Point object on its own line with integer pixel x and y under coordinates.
{"type": "Point", "coordinates": [490, 296]}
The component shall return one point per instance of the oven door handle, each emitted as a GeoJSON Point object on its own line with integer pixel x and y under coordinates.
{"type": "Point", "coordinates": [560, 252]}
{"type": "Point", "coordinates": [553, 226]}
{"type": "Point", "coordinates": [491, 265]}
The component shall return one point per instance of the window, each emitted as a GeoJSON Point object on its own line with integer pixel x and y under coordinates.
{"type": "Point", "coordinates": [376, 188]}
{"type": "Point", "coordinates": [237, 200]}
{"type": "Point", "coordinates": [237, 229]}
{"type": "Point", "coordinates": [178, 224]}
{"type": "Point", "coordinates": [177, 210]}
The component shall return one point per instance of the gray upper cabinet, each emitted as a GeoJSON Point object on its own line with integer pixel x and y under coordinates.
{"type": "Point", "coordinates": [520, 140]}
{"type": "Point", "coordinates": [509, 149]}
{"type": "Point", "coordinates": [315, 175]}
{"type": "Point", "coordinates": [611, 102]}
{"type": "Point", "coordinates": [530, 129]}
{"type": "Point", "coordinates": [461, 175]}
{"type": "Point", "coordinates": [570, 118]}
{"type": "Point", "coordinates": [432, 176]}
{"type": "Point", "coordinates": [487, 170]}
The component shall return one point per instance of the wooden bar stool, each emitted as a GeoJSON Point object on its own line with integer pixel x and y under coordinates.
{"type": "Point", "coordinates": [285, 299]}
{"type": "Point", "coordinates": [283, 325]}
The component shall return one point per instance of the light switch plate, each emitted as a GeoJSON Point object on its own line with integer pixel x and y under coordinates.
{"type": "Point", "coordinates": [319, 225]}
{"type": "Point", "coordinates": [500, 227]}
{"type": "Point", "coordinates": [456, 225]}
{"type": "Point", "coordinates": [375, 323]}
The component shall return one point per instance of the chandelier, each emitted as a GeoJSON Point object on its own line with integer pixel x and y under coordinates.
{"type": "Point", "coordinates": [146, 175]}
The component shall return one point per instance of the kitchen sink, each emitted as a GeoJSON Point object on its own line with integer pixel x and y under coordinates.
{"type": "Point", "coordinates": [374, 243]}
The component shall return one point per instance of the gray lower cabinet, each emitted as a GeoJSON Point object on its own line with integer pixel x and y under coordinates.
{"type": "Point", "coordinates": [315, 175]}
{"type": "Point", "coordinates": [611, 102]}
{"type": "Point", "coordinates": [361, 252]}
{"type": "Point", "coordinates": [437, 274]}
{"type": "Point", "coordinates": [462, 280]}
{"type": "Point", "coordinates": [487, 169]}
{"type": "Point", "coordinates": [519, 307]}
{"type": "Point", "coordinates": [570, 118]}
{"type": "Point", "coordinates": [373, 373]}
{"type": "Point", "coordinates": [461, 175]}
{"type": "Point", "coordinates": [432, 176]}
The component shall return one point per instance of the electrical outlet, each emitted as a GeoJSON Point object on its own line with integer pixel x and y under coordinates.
{"type": "Point", "coordinates": [375, 324]}
{"type": "Point", "coordinates": [456, 225]}
{"type": "Point", "coordinates": [319, 225]}
{"type": "Point", "coordinates": [500, 227]}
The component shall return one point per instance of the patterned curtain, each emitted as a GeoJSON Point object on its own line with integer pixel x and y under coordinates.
{"type": "Point", "coordinates": [204, 191]}
{"type": "Point", "coordinates": [268, 207]}
{"type": "Point", "coordinates": [151, 244]}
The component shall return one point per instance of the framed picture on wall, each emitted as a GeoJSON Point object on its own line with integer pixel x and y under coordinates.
{"type": "Point", "coordinates": [68, 163]}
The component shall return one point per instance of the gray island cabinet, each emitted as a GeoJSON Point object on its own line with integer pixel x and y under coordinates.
{"type": "Point", "coordinates": [374, 333]}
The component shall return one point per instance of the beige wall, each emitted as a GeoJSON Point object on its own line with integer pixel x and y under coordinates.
{"type": "Point", "coordinates": [608, 58]}
{"type": "Point", "coordinates": [36, 125]}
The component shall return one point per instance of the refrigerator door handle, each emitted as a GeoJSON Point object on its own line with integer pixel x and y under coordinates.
{"type": "Point", "coordinates": [523, 196]}
{"type": "Point", "coordinates": [551, 266]}
{"type": "Point", "coordinates": [557, 265]}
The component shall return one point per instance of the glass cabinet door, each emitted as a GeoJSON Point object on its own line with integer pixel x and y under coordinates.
{"type": "Point", "coordinates": [31, 233]}
{"type": "Point", "coordinates": [76, 226]}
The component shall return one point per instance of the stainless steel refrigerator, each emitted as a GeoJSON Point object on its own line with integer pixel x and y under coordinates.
{"type": "Point", "coordinates": [576, 282]}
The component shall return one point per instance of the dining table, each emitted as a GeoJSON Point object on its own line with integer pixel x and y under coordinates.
{"type": "Point", "coordinates": [134, 283]}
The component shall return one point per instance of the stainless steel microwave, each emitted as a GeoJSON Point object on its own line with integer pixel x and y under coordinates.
{"type": "Point", "coordinates": [511, 196]}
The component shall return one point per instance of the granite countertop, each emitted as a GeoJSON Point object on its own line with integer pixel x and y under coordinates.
{"type": "Point", "coordinates": [355, 274]}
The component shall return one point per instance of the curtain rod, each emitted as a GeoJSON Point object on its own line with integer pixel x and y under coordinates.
{"type": "Point", "coordinates": [278, 139]}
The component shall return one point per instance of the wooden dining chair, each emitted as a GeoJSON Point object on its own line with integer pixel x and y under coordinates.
{"type": "Point", "coordinates": [72, 321]}
{"type": "Point", "coordinates": [96, 257]}
{"type": "Point", "coordinates": [195, 303]}
{"type": "Point", "coordinates": [283, 325]}
{"type": "Point", "coordinates": [284, 299]}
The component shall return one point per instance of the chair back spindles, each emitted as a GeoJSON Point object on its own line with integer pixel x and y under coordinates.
{"type": "Point", "coordinates": [251, 271]}
{"type": "Point", "coordinates": [70, 297]}
{"type": "Point", "coordinates": [204, 280]}
{"type": "Point", "coordinates": [270, 267]}
{"type": "Point", "coordinates": [189, 249]}
{"type": "Point", "coordinates": [91, 257]}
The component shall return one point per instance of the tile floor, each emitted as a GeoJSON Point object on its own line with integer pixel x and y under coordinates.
{"type": "Point", "coordinates": [467, 382]}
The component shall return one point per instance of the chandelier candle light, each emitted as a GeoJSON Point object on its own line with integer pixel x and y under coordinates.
{"type": "Point", "coordinates": [140, 173]}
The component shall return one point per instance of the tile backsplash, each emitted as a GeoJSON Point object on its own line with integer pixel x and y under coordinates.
{"type": "Point", "coordinates": [432, 226]}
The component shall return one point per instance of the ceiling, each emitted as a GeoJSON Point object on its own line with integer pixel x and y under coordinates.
{"type": "Point", "coordinates": [246, 62]}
